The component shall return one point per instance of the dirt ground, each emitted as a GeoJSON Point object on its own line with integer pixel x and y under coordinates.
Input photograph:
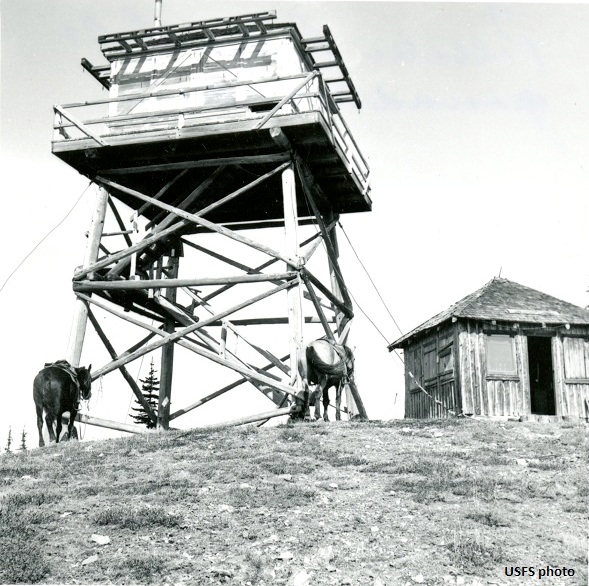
{"type": "Point", "coordinates": [378, 503]}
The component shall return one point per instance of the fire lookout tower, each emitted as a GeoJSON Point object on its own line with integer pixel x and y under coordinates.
{"type": "Point", "coordinates": [214, 131]}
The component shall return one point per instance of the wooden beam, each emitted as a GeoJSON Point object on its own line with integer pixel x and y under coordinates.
{"type": "Point", "coordinates": [218, 393]}
{"type": "Point", "coordinates": [251, 418]}
{"type": "Point", "coordinates": [130, 380]}
{"type": "Point", "coordinates": [202, 164]}
{"type": "Point", "coordinates": [86, 286]}
{"type": "Point", "coordinates": [287, 98]}
{"type": "Point", "coordinates": [268, 355]}
{"type": "Point", "coordinates": [318, 308]}
{"type": "Point", "coordinates": [108, 424]}
{"type": "Point", "coordinates": [209, 341]}
{"type": "Point", "coordinates": [216, 255]}
{"type": "Point", "coordinates": [252, 271]}
{"type": "Point", "coordinates": [165, 226]}
{"type": "Point", "coordinates": [167, 357]}
{"type": "Point", "coordinates": [267, 321]}
{"type": "Point", "coordinates": [305, 175]}
{"type": "Point", "coordinates": [197, 219]}
{"type": "Point", "coordinates": [295, 312]}
{"type": "Point", "coordinates": [79, 125]}
{"type": "Point", "coordinates": [123, 254]}
{"type": "Point", "coordinates": [177, 337]}
{"type": "Point", "coordinates": [119, 220]}
{"type": "Point", "coordinates": [337, 302]}
{"type": "Point", "coordinates": [240, 191]}
{"type": "Point", "coordinates": [163, 190]}
{"type": "Point", "coordinates": [80, 318]}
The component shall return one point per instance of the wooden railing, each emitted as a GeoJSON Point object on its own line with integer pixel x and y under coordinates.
{"type": "Point", "coordinates": [99, 121]}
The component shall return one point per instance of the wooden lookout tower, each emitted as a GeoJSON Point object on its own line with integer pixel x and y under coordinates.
{"type": "Point", "coordinates": [215, 137]}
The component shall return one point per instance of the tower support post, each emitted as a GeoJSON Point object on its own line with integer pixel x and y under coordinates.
{"type": "Point", "coordinates": [353, 399]}
{"type": "Point", "coordinates": [295, 311]}
{"type": "Point", "coordinates": [167, 358]}
{"type": "Point", "coordinates": [80, 319]}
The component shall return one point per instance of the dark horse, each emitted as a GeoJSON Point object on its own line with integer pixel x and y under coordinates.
{"type": "Point", "coordinates": [325, 364]}
{"type": "Point", "coordinates": [57, 389]}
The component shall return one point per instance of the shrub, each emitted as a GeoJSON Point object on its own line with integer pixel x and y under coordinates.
{"type": "Point", "coordinates": [132, 517]}
{"type": "Point", "coordinates": [136, 568]}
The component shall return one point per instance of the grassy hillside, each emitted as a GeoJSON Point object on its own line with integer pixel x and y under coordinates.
{"type": "Point", "coordinates": [443, 502]}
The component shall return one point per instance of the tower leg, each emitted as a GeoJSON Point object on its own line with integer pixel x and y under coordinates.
{"type": "Point", "coordinates": [295, 312]}
{"type": "Point", "coordinates": [353, 399]}
{"type": "Point", "coordinates": [80, 319]}
{"type": "Point", "coordinates": [167, 360]}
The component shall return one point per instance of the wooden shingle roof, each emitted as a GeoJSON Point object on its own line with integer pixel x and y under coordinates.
{"type": "Point", "coordinates": [504, 300]}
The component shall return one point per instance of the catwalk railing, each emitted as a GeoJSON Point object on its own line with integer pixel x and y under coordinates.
{"type": "Point", "coordinates": [241, 106]}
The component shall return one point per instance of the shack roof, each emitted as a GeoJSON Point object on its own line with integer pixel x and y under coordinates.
{"type": "Point", "coordinates": [506, 301]}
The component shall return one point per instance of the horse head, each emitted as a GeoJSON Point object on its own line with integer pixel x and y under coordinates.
{"type": "Point", "coordinates": [85, 380]}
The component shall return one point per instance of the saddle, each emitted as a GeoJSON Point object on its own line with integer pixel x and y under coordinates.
{"type": "Point", "coordinates": [67, 368]}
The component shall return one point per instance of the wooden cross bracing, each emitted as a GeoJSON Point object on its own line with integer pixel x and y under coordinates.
{"type": "Point", "coordinates": [151, 290]}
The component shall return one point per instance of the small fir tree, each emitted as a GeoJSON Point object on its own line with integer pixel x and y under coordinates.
{"type": "Point", "coordinates": [150, 388]}
{"type": "Point", "coordinates": [23, 440]}
{"type": "Point", "coordinates": [8, 447]}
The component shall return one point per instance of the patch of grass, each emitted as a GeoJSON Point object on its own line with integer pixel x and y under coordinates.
{"type": "Point", "coordinates": [248, 430]}
{"type": "Point", "coordinates": [255, 567]}
{"type": "Point", "coordinates": [33, 498]}
{"type": "Point", "coordinates": [583, 489]}
{"type": "Point", "coordinates": [472, 551]}
{"type": "Point", "coordinates": [476, 485]}
{"type": "Point", "coordinates": [165, 484]}
{"type": "Point", "coordinates": [488, 518]}
{"type": "Point", "coordinates": [576, 507]}
{"type": "Point", "coordinates": [492, 458]}
{"type": "Point", "coordinates": [144, 568]}
{"type": "Point", "coordinates": [419, 466]}
{"type": "Point", "coordinates": [341, 458]}
{"type": "Point", "coordinates": [548, 464]}
{"type": "Point", "coordinates": [137, 517]}
{"type": "Point", "coordinates": [280, 464]}
{"type": "Point", "coordinates": [21, 554]}
{"type": "Point", "coordinates": [17, 466]}
{"type": "Point", "coordinates": [293, 434]}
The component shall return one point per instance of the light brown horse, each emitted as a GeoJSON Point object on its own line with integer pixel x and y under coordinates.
{"type": "Point", "coordinates": [324, 364]}
{"type": "Point", "coordinates": [57, 389]}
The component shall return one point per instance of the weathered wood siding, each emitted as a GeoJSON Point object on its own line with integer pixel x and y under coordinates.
{"type": "Point", "coordinates": [571, 366]}
{"type": "Point", "coordinates": [485, 393]}
{"type": "Point", "coordinates": [430, 366]}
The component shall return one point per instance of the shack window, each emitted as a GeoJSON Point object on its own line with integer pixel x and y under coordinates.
{"type": "Point", "coordinates": [413, 364]}
{"type": "Point", "coordinates": [446, 361]}
{"type": "Point", "coordinates": [429, 362]}
{"type": "Point", "coordinates": [576, 358]}
{"type": "Point", "coordinates": [501, 355]}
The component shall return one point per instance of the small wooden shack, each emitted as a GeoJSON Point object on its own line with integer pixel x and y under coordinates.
{"type": "Point", "coordinates": [504, 350]}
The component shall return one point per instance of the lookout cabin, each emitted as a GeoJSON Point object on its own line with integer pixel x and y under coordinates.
{"type": "Point", "coordinates": [218, 90]}
{"type": "Point", "coordinates": [504, 350]}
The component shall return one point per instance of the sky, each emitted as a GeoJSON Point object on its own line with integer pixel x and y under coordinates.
{"type": "Point", "coordinates": [475, 125]}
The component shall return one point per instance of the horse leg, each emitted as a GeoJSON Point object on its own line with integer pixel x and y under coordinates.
{"type": "Point", "coordinates": [338, 401]}
{"type": "Point", "coordinates": [326, 402]}
{"type": "Point", "coordinates": [40, 425]}
{"type": "Point", "coordinates": [70, 425]}
{"type": "Point", "coordinates": [58, 427]}
{"type": "Point", "coordinates": [49, 419]}
{"type": "Point", "coordinates": [319, 389]}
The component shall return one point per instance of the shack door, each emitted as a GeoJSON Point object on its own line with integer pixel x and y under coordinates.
{"type": "Point", "coordinates": [541, 376]}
